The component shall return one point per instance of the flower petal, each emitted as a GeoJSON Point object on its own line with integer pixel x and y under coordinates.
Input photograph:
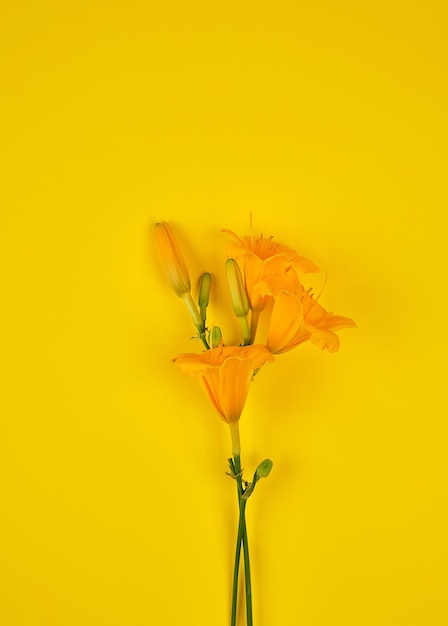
{"type": "Point", "coordinates": [286, 321]}
{"type": "Point", "coordinates": [192, 364]}
{"type": "Point", "coordinates": [324, 339]}
{"type": "Point", "coordinates": [225, 373]}
{"type": "Point", "coordinates": [234, 380]}
{"type": "Point", "coordinates": [211, 384]}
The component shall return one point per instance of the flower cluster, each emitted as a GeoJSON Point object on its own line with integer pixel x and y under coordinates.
{"type": "Point", "coordinates": [264, 280]}
{"type": "Point", "coordinates": [271, 275]}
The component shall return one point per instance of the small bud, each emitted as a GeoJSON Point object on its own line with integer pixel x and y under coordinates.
{"type": "Point", "coordinates": [264, 469]}
{"type": "Point", "coordinates": [172, 259]}
{"type": "Point", "coordinates": [204, 294]}
{"type": "Point", "coordinates": [238, 293]}
{"type": "Point", "coordinates": [215, 337]}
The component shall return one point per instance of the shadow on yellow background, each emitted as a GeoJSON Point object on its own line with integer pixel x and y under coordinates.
{"type": "Point", "coordinates": [328, 122]}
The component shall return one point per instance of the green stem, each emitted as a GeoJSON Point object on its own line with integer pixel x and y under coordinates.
{"type": "Point", "coordinates": [242, 531]}
{"type": "Point", "coordinates": [253, 325]}
{"type": "Point", "coordinates": [198, 322]}
{"type": "Point", "coordinates": [245, 330]}
{"type": "Point", "coordinates": [241, 541]}
{"type": "Point", "coordinates": [246, 565]}
{"type": "Point", "coordinates": [204, 340]}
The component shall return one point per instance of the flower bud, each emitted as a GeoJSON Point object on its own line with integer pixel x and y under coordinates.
{"type": "Point", "coordinates": [215, 339]}
{"type": "Point", "coordinates": [204, 294]}
{"type": "Point", "coordinates": [238, 293]}
{"type": "Point", "coordinates": [171, 259]}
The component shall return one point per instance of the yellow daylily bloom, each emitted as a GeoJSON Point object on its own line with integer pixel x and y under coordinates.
{"type": "Point", "coordinates": [297, 316]}
{"type": "Point", "coordinates": [225, 373]}
{"type": "Point", "coordinates": [259, 257]}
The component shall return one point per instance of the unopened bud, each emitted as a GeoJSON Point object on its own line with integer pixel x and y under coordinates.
{"type": "Point", "coordinates": [215, 337]}
{"type": "Point", "coordinates": [240, 302]}
{"type": "Point", "coordinates": [172, 259]}
{"type": "Point", "coordinates": [204, 294]}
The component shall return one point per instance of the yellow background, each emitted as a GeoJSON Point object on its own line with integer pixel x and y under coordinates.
{"type": "Point", "coordinates": [327, 120]}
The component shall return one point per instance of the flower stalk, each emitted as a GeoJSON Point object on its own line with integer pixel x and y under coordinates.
{"type": "Point", "coordinates": [264, 278]}
{"type": "Point", "coordinates": [241, 541]}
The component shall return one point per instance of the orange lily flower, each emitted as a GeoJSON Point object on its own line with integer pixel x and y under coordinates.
{"type": "Point", "coordinates": [225, 373]}
{"type": "Point", "coordinates": [259, 257]}
{"type": "Point", "coordinates": [297, 317]}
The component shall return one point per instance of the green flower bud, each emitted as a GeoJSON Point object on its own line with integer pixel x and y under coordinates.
{"type": "Point", "coordinates": [264, 469]}
{"type": "Point", "coordinates": [215, 337]}
{"type": "Point", "coordinates": [240, 302]}
{"type": "Point", "coordinates": [204, 294]}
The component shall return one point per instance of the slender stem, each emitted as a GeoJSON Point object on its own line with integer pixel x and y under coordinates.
{"type": "Point", "coordinates": [193, 310]}
{"type": "Point", "coordinates": [235, 578]}
{"type": "Point", "coordinates": [204, 340]}
{"type": "Point", "coordinates": [198, 322]}
{"type": "Point", "coordinates": [243, 529]}
{"type": "Point", "coordinates": [246, 566]}
{"type": "Point", "coordinates": [241, 540]}
{"type": "Point", "coordinates": [254, 324]}
{"type": "Point", "coordinates": [234, 428]}
{"type": "Point", "coordinates": [245, 330]}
